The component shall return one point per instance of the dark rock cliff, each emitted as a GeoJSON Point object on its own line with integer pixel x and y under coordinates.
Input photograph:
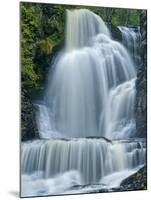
{"type": "Point", "coordinates": [28, 125]}
{"type": "Point", "coordinates": [141, 82]}
{"type": "Point", "coordinates": [115, 32]}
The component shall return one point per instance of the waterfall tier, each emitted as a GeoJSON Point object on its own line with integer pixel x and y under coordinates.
{"type": "Point", "coordinates": [93, 158]}
{"type": "Point", "coordinates": [81, 26]}
{"type": "Point", "coordinates": [87, 81]}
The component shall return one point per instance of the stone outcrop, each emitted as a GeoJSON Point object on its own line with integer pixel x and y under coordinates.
{"type": "Point", "coordinates": [115, 32]}
{"type": "Point", "coordinates": [137, 181]}
{"type": "Point", "coordinates": [141, 83]}
{"type": "Point", "coordinates": [28, 125]}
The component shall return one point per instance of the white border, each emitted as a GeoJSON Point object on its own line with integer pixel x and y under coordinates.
{"type": "Point", "coordinates": [9, 100]}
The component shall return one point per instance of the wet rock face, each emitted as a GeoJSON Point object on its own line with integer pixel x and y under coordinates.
{"type": "Point", "coordinates": [141, 83]}
{"type": "Point", "coordinates": [115, 32]}
{"type": "Point", "coordinates": [137, 181]}
{"type": "Point", "coordinates": [28, 125]}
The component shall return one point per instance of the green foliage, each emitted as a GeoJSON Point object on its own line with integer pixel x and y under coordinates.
{"type": "Point", "coordinates": [134, 17]}
{"type": "Point", "coordinates": [30, 22]}
{"type": "Point", "coordinates": [46, 45]}
{"type": "Point", "coordinates": [42, 28]}
{"type": "Point", "coordinates": [125, 17]}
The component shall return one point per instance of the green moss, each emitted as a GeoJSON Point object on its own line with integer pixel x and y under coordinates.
{"type": "Point", "coordinates": [46, 45]}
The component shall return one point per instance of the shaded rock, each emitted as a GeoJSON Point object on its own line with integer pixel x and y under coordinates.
{"type": "Point", "coordinates": [141, 82]}
{"type": "Point", "coordinates": [137, 181]}
{"type": "Point", "coordinates": [116, 33]}
{"type": "Point", "coordinates": [104, 138]}
{"type": "Point", "coordinates": [28, 126]}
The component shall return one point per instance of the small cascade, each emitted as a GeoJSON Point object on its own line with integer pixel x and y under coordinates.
{"type": "Point", "coordinates": [81, 26]}
{"type": "Point", "coordinates": [120, 121]}
{"type": "Point", "coordinates": [131, 39]}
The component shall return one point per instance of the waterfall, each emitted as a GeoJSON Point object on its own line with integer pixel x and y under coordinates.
{"type": "Point", "coordinates": [83, 78]}
{"type": "Point", "coordinates": [81, 26]}
{"type": "Point", "coordinates": [131, 39]}
{"type": "Point", "coordinates": [86, 121]}
{"type": "Point", "coordinates": [93, 158]}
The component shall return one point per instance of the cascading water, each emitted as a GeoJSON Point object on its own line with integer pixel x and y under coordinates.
{"type": "Point", "coordinates": [131, 39]}
{"type": "Point", "coordinates": [93, 158]}
{"type": "Point", "coordinates": [83, 78]}
{"type": "Point", "coordinates": [90, 96]}
{"type": "Point", "coordinates": [59, 166]}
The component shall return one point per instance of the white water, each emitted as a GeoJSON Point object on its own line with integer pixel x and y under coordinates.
{"type": "Point", "coordinates": [69, 183]}
{"type": "Point", "coordinates": [131, 39]}
{"type": "Point", "coordinates": [93, 158]}
{"type": "Point", "coordinates": [114, 180]}
{"type": "Point", "coordinates": [35, 185]}
{"type": "Point", "coordinates": [90, 93]}
{"type": "Point", "coordinates": [120, 119]}
{"type": "Point", "coordinates": [57, 166]}
{"type": "Point", "coordinates": [86, 79]}
{"type": "Point", "coordinates": [82, 25]}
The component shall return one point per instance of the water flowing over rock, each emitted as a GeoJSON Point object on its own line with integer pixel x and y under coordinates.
{"type": "Point", "coordinates": [90, 96]}
{"type": "Point", "coordinates": [82, 25]}
{"type": "Point", "coordinates": [88, 77]}
{"type": "Point", "coordinates": [92, 158]}
{"type": "Point", "coordinates": [131, 38]}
